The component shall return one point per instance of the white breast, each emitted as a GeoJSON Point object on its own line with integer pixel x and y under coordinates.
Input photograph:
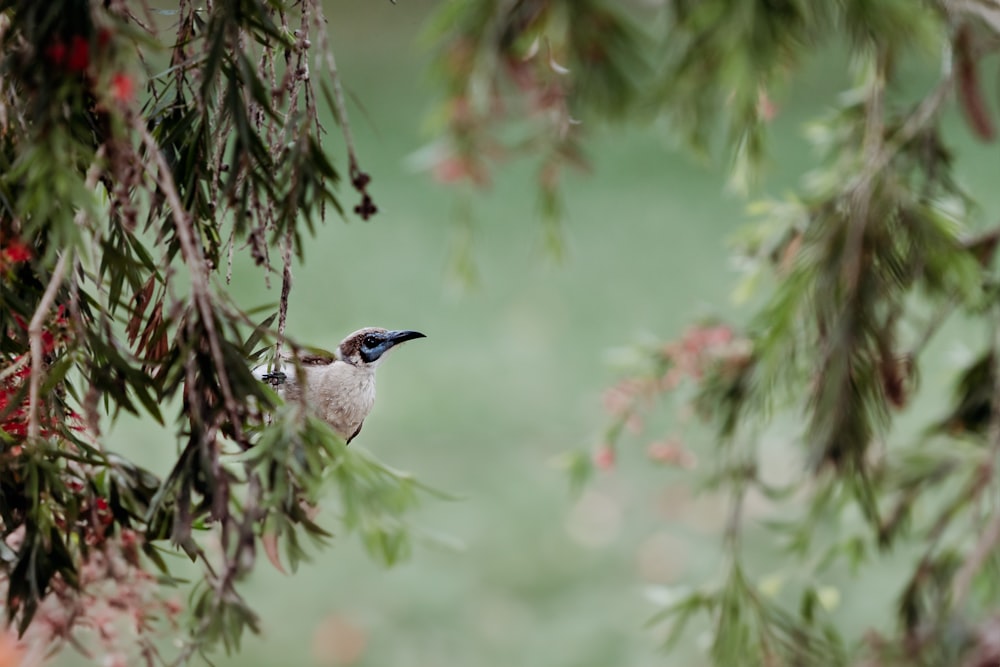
{"type": "Point", "coordinates": [342, 394]}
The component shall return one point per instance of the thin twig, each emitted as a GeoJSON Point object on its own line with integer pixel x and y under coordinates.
{"type": "Point", "coordinates": [35, 327]}
{"type": "Point", "coordinates": [861, 193]}
{"type": "Point", "coordinates": [35, 331]}
{"type": "Point", "coordinates": [742, 471]}
{"type": "Point", "coordinates": [877, 152]}
{"type": "Point", "coordinates": [286, 287]}
{"type": "Point", "coordinates": [340, 106]}
{"type": "Point", "coordinates": [359, 179]}
{"type": "Point", "coordinates": [229, 255]}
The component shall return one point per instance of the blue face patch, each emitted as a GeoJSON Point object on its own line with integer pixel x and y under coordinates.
{"type": "Point", "coordinates": [375, 344]}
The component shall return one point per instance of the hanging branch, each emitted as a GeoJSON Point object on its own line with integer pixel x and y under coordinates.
{"type": "Point", "coordinates": [35, 330]}
{"type": "Point", "coordinates": [360, 180]}
{"type": "Point", "coordinates": [197, 269]}
{"type": "Point", "coordinates": [36, 327]}
{"type": "Point", "coordinates": [286, 288]}
{"type": "Point", "coordinates": [220, 141]}
{"type": "Point", "coordinates": [872, 150]}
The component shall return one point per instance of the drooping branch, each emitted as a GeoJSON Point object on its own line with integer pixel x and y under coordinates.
{"type": "Point", "coordinates": [197, 267]}
{"type": "Point", "coordinates": [360, 180]}
{"type": "Point", "coordinates": [36, 327]}
{"type": "Point", "coordinates": [35, 330]}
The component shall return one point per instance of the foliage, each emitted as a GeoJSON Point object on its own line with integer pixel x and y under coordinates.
{"type": "Point", "coordinates": [141, 149]}
{"type": "Point", "coordinates": [861, 267]}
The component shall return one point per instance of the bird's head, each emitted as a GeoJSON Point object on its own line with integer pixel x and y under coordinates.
{"type": "Point", "coordinates": [367, 347]}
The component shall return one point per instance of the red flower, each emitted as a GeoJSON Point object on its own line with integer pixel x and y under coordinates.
{"type": "Point", "coordinates": [56, 53]}
{"type": "Point", "coordinates": [122, 87]}
{"type": "Point", "coordinates": [79, 54]}
{"type": "Point", "coordinates": [16, 252]}
{"type": "Point", "coordinates": [52, 336]}
{"type": "Point", "coordinates": [104, 514]}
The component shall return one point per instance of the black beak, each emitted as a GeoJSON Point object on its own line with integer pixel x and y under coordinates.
{"type": "Point", "coordinates": [397, 337]}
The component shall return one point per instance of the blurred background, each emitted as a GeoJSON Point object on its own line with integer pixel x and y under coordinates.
{"type": "Point", "coordinates": [516, 570]}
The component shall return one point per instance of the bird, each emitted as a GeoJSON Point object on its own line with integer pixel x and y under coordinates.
{"type": "Point", "coordinates": [339, 387]}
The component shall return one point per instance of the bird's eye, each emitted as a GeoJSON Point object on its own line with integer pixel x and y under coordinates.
{"type": "Point", "coordinates": [371, 341]}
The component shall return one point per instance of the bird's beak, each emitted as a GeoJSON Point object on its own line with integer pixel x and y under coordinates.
{"type": "Point", "coordinates": [396, 337]}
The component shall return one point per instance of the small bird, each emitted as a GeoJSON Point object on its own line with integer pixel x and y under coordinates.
{"type": "Point", "coordinates": [339, 387]}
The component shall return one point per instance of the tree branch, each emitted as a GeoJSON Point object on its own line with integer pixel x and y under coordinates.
{"type": "Point", "coordinates": [359, 179]}
{"type": "Point", "coordinates": [35, 331]}
{"type": "Point", "coordinates": [340, 106]}
{"type": "Point", "coordinates": [861, 193]}
{"type": "Point", "coordinates": [35, 327]}
{"type": "Point", "coordinates": [286, 287]}
{"type": "Point", "coordinates": [197, 268]}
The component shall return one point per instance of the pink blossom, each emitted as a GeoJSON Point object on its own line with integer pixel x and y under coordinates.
{"type": "Point", "coordinates": [604, 457]}
{"type": "Point", "coordinates": [671, 452]}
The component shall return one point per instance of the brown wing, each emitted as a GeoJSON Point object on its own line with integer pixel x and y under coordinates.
{"type": "Point", "coordinates": [314, 356]}
{"type": "Point", "coordinates": [316, 359]}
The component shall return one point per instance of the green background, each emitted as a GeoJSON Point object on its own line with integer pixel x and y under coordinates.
{"type": "Point", "coordinates": [510, 376]}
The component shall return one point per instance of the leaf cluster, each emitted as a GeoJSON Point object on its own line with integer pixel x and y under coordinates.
{"type": "Point", "coordinates": [140, 150]}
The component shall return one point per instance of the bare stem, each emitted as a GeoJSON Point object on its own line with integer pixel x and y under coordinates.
{"type": "Point", "coordinates": [286, 286]}
{"type": "Point", "coordinates": [35, 331]}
